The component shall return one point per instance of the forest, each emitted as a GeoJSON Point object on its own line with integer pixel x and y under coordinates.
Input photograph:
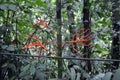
{"type": "Point", "coordinates": [59, 39]}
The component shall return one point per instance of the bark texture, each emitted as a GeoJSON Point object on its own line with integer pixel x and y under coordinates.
{"type": "Point", "coordinates": [115, 54]}
{"type": "Point", "coordinates": [86, 22]}
{"type": "Point", "coordinates": [59, 36]}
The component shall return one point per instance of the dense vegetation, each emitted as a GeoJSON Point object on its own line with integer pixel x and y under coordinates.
{"type": "Point", "coordinates": [36, 36]}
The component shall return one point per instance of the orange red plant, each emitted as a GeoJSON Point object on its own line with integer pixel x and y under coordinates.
{"type": "Point", "coordinates": [43, 23]}
{"type": "Point", "coordinates": [79, 38]}
{"type": "Point", "coordinates": [37, 43]}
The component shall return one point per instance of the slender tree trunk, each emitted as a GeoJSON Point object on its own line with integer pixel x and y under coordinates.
{"type": "Point", "coordinates": [86, 22]}
{"type": "Point", "coordinates": [115, 54]}
{"type": "Point", "coordinates": [70, 15]}
{"type": "Point", "coordinates": [59, 36]}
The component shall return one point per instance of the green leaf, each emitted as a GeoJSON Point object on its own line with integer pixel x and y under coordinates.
{"type": "Point", "coordinates": [99, 48]}
{"type": "Point", "coordinates": [107, 76]}
{"type": "Point", "coordinates": [26, 68]}
{"type": "Point", "coordinates": [53, 2]}
{"type": "Point", "coordinates": [31, 3]}
{"type": "Point", "coordinates": [40, 3]}
{"type": "Point", "coordinates": [70, 1]}
{"type": "Point", "coordinates": [101, 14]}
{"type": "Point", "coordinates": [116, 75]}
{"type": "Point", "coordinates": [32, 69]}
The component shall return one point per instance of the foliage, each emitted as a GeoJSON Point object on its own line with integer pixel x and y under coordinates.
{"type": "Point", "coordinates": [19, 18]}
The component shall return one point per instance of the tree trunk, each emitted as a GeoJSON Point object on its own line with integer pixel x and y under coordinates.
{"type": "Point", "coordinates": [59, 36]}
{"type": "Point", "coordinates": [116, 36]}
{"type": "Point", "coordinates": [70, 15]}
{"type": "Point", "coordinates": [86, 22]}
